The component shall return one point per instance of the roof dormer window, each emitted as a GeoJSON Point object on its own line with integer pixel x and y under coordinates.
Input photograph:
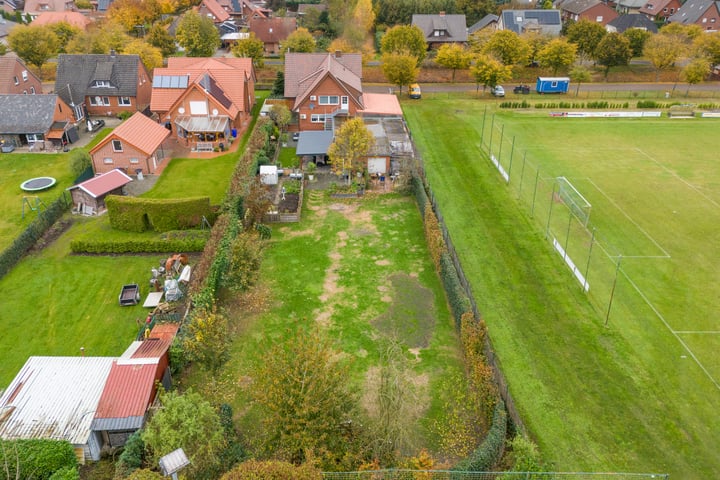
{"type": "Point", "coordinates": [440, 33]}
{"type": "Point", "coordinates": [101, 84]}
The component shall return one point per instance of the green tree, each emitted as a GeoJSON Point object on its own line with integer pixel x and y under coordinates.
{"type": "Point", "coordinates": [186, 421]}
{"type": "Point", "coordinates": [101, 38]}
{"type": "Point", "coordinates": [695, 72]}
{"type": "Point", "coordinates": [281, 115]}
{"type": "Point", "coordinates": [613, 50]}
{"type": "Point", "coordinates": [272, 470]}
{"type": "Point", "coordinates": [150, 56]}
{"type": "Point", "coordinates": [80, 161]}
{"type": "Point", "coordinates": [662, 51]}
{"type": "Point", "coordinates": [251, 47]}
{"type": "Point", "coordinates": [133, 13]}
{"type": "Point", "coordinates": [453, 56]}
{"type": "Point", "coordinates": [637, 38]}
{"type": "Point", "coordinates": [302, 390]}
{"type": "Point", "coordinates": [489, 71]}
{"type": "Point", "coordinates": [405, 39]}
{"type": "Point", "coordinates": [587, 36]}
{"type": "Point", "coordinates": [300, 41]}
{"type": "Point", "coordinates": [474, 10]}
{"type": "Point", "coordinates": [478, 40]}
{"type": "Point", "coordinates": [579, 75]}
{"type": "Point", "coordinates": [352, 142]}
{"type": "Point", "coordinates": [399, 68]}
{"type": "Point", "coordinates": [206, 339]}
{"type": "Point", "coordinates": [558, 54]}
{"type": "Point", "coordinates": [197, 35]}
{"type": "Point", "coordinates": [278, 89]}
{"type": "Point", "coordinates": [159, 37]}
{"type": "Point", "coordinates": [708, 46]}
{"type": "Point", "coordinates": [34, 44]}
{"type": "Point", "coordinates": [64, 32]}
{"type": "Point", "coordinates": [508, 47]}
{"type": "Point", "coordinates": [685, 33]}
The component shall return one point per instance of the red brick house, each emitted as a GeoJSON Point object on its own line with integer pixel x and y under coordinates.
{"type": "Point", "coordinates": [75, 19]}
{"type": "Point", "coordinates": [273, 31]}
{"type": "Point", "coordinates": [15, 78]}
{"type": "Point", "coordinates": [704, 13]}
{"type": "Point", "coordinates": [660, 10]}
{"type": "Point", "coordinates": [36, 121]}
{"type": "Point", "coordinates": [103, 85]}
{"type": "Point", "coordinates": [37, 7]}
{"type": "Point", "coordinates": [206, 102]}
{"type": "Point", "coordinates": [592, 10]}
{"type": "Point", "coordinates": [135, 146]}
{"type": "Point", "coordinates": [212, 9]}
{"type": "Point", "coordinates": [324, 88]}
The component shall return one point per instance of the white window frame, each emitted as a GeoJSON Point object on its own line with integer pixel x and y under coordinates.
{"type": "Point", "coordinates": [317, 118]}
{"type": "Point", "coordinates": [101, 84]}
{"type": "Point", "coordinates": [134, 160]}
{"type": "Point", "coordinates": [599, 18]}
{"type": "Point", "coordinates": [329, 100]}
{"type": "Point", "coordinates": [108, 161]}
{"type": "Point", "coordinates": [25, 75]}
{"type": "Point", "coordinates": [98, 101]}
{"type": "Point", "coordinates": [16, 80]}
{"type": "Point", "coordinates": [32, 90]}
{"type": "Point", "coordinates": [117, 145]}
{"type": "Point", "coordinates": [124, 101]}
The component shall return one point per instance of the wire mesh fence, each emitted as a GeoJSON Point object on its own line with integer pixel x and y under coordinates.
{"type": "Point", "coordinates": [451, 475]}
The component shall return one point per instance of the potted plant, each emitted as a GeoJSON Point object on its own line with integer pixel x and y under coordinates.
{"type": "Point", "coordinates": [310, 169]}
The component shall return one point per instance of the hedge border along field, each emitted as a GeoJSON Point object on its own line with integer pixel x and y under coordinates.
{"type": "Point", "coordinates": [140, 214]}
{"type": "Point", "coordinates": [35, 458]}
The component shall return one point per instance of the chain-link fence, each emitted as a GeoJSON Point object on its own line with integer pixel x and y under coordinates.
{"type": "Point", "coordinates": [450, 475]}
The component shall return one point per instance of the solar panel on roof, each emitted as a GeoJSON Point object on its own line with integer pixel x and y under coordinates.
{"type": "Point", "coordinates": [170, 81]}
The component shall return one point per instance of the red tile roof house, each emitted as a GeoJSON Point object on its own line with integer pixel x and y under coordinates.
{"type": "Point", "coordinates": [103, 85]}
{"type": "Point", "coordinates": [89, 196]}
{"type": "Point", "coordinates": [131, 388]}
{"type": "Point", "coordinates": [324, 88]}
{"type": "Point", "coordinates": [593, 10]}
{"type": "Point", "coordinates": [273, 31]}
{"type": "Point", "coordinates": [135, 146]}
{"type": "Point", "coordinates": [660, 10]}
{"type": "Point", "coordinates": [35, 7]}
{"type": "Point", "coordinates": [204, 101]}
{"type": "Point", "coordinates": [16, 78]}
{"type": "Point", "coordinates": [75, 19]}
{"type": "Point", "coordinates": [244, 10]}
{"type": "Point", "coordinates": [213, 10]}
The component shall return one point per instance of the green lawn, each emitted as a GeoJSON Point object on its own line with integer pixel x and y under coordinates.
{"type": "Point", "coordinates": [15, 168]}
{"type": "Point", "coordinates": [53, 303]}
{"type": "Point", "coordinates": [361, 271]}
{"type": "Point", "coordinates": [641, 394]}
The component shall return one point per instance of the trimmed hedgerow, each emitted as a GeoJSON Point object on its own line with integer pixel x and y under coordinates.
{"type": "Point", "coordinates": [421, 197]}
{"type": "Point", "coordinates": [433, 236]}
{"type": "Point", "coordinates": [183, 241]}
{"type": "Point", "coordinates": [25, 241]}
{"type": "Point", "coordinates": [38, 459]}
{"type": "Point", "coordinates": [459, 302]}
{"type": "Point", "coordinates": [484, 458]}
{"type": "Point", "coordinates": [162, 215]}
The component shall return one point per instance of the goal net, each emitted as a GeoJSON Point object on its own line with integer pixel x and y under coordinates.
{"type": "Point", "coordinates": [577, 204]}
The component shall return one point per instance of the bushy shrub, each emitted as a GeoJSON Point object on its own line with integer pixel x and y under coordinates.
{"type": "Point", "coordinates": [79, 160]}
{"type": "Point", "coordinates": [66, 473]}
{"type": "Point", "coordinates": [140, 214]}
{"type": "Point", "coordinates": [491, 449]}
{"type": "Point", "coordinates": [37, 459]}
{"type": "Point", "coordinates": [272, 470]}
{"type": "Point", "coordinates": [185, 241]}
{"type": "Point", "coordinates": [132, 456]}
{"type": "Point", "coordinates": [459, 302]}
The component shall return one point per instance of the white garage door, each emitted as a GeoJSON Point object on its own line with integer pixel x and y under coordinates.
{"type": "Point", "coordinates": [377, 165]}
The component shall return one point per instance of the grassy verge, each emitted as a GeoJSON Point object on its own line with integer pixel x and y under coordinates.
{"type": "Point", "coordinates": [288, 158]}
{"type": "Point", "coordinates": [624, 398]}
{"type": "Point", "coordinates": [361, 272]}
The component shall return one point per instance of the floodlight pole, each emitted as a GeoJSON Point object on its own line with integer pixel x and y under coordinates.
{"type": "Point", "coordinates": [612, 292]}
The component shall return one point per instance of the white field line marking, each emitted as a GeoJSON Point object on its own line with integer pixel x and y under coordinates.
{"type": "Point", "coordinates": [673, 332]}
{"type": "Point", "coordinates": [692, 187]}
{"type": "Point", "coordinates": [647, 235]}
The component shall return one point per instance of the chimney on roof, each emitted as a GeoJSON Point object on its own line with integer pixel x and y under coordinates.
{"type": "Point", "coordinates": [338, 53]}
{"type": "Point", "coordinates": [442, 14]}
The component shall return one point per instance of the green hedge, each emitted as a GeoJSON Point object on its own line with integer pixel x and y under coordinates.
{"type": "Point", "coordinates": [484, 458]}
{"type": "Point", "coordinates": [162, 215]}
{"type": "Point", "coordinates": [25, 241]}
{"type": "Point", "coordinates": [36, 459]}
{"type": "Point", "coordinates": [459, 302]}
{"type": "Point", "coordinates": [169, 242]}
{"type": "Point", "coordinates": [420, 195]}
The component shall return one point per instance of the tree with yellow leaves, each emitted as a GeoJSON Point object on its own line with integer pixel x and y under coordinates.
{"type": "Point", "coordinates": [352, 143]}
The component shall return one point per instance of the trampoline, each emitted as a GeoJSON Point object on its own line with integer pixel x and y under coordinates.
{"type": "Point", "coordinates": [37, 184]}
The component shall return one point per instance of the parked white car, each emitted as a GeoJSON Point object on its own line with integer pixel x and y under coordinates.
{"type": "Point", "coordinates": [498, 91]}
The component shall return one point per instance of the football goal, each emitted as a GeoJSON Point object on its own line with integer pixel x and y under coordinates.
{"type": "Point", "coordinates": [577, 204]}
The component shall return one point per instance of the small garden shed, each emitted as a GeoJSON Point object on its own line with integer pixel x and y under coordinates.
{"type": "Point", "coordinates": [89, 196]}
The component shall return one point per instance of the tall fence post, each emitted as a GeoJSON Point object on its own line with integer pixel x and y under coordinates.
{"type": "Point", "coordinates": [492, 127]}
{"type": "Point", "coordinates": [512, 151]}
{"type": "Point", "coordinates": [537, 178]}
{"type": "Point", "coordinates": [522, 174]}
{"type": "Point", "coordinates": [552, 200]}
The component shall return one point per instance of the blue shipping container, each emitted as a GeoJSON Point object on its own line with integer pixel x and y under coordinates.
{"type": "Point", "coordinates": [552, 84]}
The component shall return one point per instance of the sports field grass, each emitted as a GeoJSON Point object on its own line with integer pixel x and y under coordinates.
{"type": "Point", "coordinates": [641, 394]}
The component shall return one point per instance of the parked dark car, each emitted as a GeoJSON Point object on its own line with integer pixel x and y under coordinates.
{"type": "Point", "coordinates": [523, 89]}
{"type": "Point", "coordinates": [296, 136]}
{"type": "Point", "coordinates": [95, 125]}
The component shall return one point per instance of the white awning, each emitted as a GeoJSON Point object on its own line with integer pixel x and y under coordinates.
{"type": "Point", "coordinates": [210, 124]}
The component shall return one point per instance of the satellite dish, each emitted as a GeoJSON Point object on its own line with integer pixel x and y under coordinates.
{"type": "Point", "coordinates": [215, 111]}
{"type": "Point", "coordinates": [181, 110]}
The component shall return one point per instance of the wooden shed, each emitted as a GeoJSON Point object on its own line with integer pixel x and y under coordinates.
{"type": "Point", "coordinates": [89, 196]}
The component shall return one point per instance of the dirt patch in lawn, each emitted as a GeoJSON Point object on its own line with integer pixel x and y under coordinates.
{"type": "Point", "coordinates": [52, 234]}
{"type": "Point", "coordinates": [410, 318]}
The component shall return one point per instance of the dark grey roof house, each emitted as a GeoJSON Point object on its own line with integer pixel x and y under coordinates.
{"type": "Point", "coordinates": [103, 84]}
{"type": "Point", "coordinates": [698, 12]}
{"type": "Point", "coordinates": [27, 119]}
{"type": "Point", "coordinates": [442, 28]}
{"type": "Point", "coordinates": [488, 21]}
{"type": "Point", "coordinates": [546, 22]}
{"type": "Point", "coordinates": [631, 20]}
